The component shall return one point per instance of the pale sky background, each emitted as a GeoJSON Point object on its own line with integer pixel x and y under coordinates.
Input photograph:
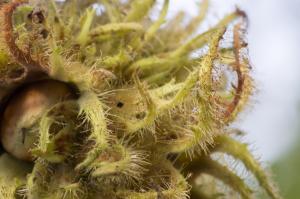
{"type": "Point", "coordinates": [274, 38]}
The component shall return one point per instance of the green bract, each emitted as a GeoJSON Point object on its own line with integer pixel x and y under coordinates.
{"type": "Point", "coordinates": [150, 111]}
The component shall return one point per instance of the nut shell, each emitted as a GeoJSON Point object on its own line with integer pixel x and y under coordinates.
{"type": "Point", "coordinates": [19, 125]}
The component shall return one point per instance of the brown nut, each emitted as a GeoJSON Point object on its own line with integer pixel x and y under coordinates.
{"type": "Point", "coordinates": [21, 115]}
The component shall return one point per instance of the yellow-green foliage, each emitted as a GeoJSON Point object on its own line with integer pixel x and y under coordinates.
{"type": "Point", "coordinates": [150, 113]}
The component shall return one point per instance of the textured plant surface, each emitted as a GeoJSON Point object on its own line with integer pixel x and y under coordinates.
{"type": "Point", "coordinates": [151, 106]}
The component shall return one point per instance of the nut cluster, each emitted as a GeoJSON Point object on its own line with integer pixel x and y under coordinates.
{"type": "Point", "coordinates": [103, 101]}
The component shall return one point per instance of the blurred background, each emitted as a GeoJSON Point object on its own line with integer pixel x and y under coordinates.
{"type": "Point", "coordinates": [272, 122]}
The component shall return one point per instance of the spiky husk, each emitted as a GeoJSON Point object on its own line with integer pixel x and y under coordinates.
{"type": "Point", "coordinates": [150, 114]}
